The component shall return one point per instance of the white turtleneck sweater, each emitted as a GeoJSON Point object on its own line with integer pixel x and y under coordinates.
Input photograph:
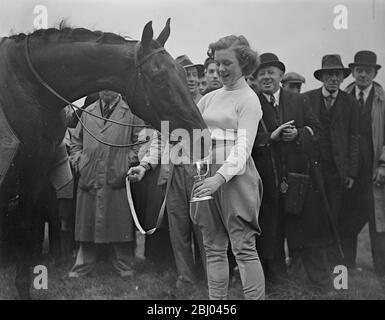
{"type": "Point", "coordinates": [237, 108]}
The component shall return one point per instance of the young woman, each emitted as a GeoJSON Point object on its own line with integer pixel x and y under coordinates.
{"type": "Point", "coordinates": [232, 114]}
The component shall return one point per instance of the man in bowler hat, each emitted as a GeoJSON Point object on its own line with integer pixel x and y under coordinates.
{"type": "Point", "coordinates": [338, 144]}
{"type": "Point", "coordinates": [365, 202]}
{"type": "Point", "coordinates": [285, 135]}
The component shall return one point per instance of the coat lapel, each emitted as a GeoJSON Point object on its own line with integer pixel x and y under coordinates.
{"type": "Point", "coordinates": [117, 115]}
{"type": "Point", "coordinates": [339, 105]}
{"type": "Point", "coordinates": [316, 104]}
{"type": "Point", "coordinates": [96, 111]}
{"type": "Point", "coordinates": [268, 112]}
{"type": "Point", "coordinates": [287, 106]}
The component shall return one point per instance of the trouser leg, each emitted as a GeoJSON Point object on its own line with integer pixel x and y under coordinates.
{"type": "Point", "coordinates": [277, 265]}
{"type": "Point", "coordinates": [200, 254]}
{"type": "Point", "coordinates": [123, 257]}
{"type": "Point", "coordinates": [357, 205]}
{"type": "Point", "coordinates": [334, 191]}
{"type": "Point", "coordinates": [85, 260]}
{"type": "Point", "coordinates": [215, 240]}
{"type": "Point", "coordinates": [316, 266]}
{"type": "Point", "coordinates": [377, 242]}
{"type": "Point", "coordinates": [250, 268]}
{"type": "Point", "coordinates": [180, 226]}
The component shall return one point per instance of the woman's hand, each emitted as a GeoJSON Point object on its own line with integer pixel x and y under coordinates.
{"type": "Point", "coordinates": [208, 186]}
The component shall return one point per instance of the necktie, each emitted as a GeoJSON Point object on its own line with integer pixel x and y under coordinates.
{"type": "Point", "coordinates": [328, 101]}
{"type": "Point", "coordinates": [106, 110]}
{"type": "Point", "coordinates": [361, 98]}
{"type": "Point", "coordinates": [276, 111]}
{"type": "Point", "coordinates": [272, 100]}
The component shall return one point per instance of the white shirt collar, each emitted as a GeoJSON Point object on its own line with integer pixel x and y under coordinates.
{"type": "Point", "coordinates": [366, 92]}
{"type": "Point", "coordinates": [239, 84]}
{"type": "Point", "coordinates": [326, 93]}
{"type": "Point", "coordinates": [276, 95]}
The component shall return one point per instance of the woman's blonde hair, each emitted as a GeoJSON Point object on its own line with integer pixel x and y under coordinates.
{"type": "Point", "coordinates": [248, 58]}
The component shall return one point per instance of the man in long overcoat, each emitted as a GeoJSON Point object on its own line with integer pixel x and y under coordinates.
{"type": "Point", "coordinates": [102, 209]}
{"type": "Point", "coordinates": [338, 114]}
{"type": "Point", "coordinates": [285, 135]}
{"type": "Point", "coordinates": [365, 202]}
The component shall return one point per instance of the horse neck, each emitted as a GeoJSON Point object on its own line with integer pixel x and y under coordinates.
{"type": "Point", "coordinates": [76, 69]}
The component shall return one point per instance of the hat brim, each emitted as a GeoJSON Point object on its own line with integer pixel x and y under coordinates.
{"type": "Point", "coordinates": [199, 67]}
{"type": "Point", "coordinates": [376, 66]}
{"type": "Point", "coordinates": [277, 64]}
{"type": "Point", "coordinates": [292, 81]}
{"type": "Point", "coordinates": [317, 73]}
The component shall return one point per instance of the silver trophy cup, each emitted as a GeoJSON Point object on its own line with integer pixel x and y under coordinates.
{"type": "Point", "coordinates": [202, 169]}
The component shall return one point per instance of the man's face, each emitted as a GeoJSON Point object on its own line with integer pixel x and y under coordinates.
{"type": "Point", "coordinates": [212, 76]}
{"type": "Point", "coordinates": [192, 79]}
{"type": "Point", "coordinates": [108, 96]}
{"type": "Point", "coordinates": [364, 76]}
{"type": "Point", "coordinates": [202, 84]}
{"type": "Point", "coordinates": [269, 78]}
{"type": "Point", "coordinates": [293, 86]}
{"type": "Point", "coordinates": [332, 79]}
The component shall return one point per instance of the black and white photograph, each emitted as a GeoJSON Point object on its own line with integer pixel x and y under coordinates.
{"type": "Point", "coordinates": [185, 151]}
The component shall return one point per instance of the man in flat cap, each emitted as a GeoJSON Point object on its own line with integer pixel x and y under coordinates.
{"type": "Point", "coordinates": [366, 200]}
{"type": "Point", "coordinates": [293, 81]}
{"type": "Point", "coordinates": [285, 134]}
{"type": "Point", "coordinates": [338, 144]}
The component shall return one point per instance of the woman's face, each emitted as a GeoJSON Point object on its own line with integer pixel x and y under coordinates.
{"type": "Point", "coordinates": [212, 76]}
{"type": "Point", "coordinates": [228, 66]}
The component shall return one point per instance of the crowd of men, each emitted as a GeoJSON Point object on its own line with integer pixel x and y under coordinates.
{"type": "Point", "coordinates": [320, 154]}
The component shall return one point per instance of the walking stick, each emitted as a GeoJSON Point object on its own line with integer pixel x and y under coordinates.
{"type": "Point", "coordinates": [319, 181]}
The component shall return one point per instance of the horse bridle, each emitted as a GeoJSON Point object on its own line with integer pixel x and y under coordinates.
{"type": "Point", "coordinates": [138, 77]}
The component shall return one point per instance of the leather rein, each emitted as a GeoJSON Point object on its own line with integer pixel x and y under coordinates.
{"type": "Point", "coordinates": [138, 77]}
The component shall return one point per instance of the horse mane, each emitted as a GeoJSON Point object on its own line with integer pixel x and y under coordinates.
{"type": "Point", "coordinates": [68, 34]}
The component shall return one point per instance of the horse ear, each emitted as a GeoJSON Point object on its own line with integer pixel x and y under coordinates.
{"type": "Point", "coordinates": [162, 38]}
{"type": "Point", "coordinates": [147, 35]}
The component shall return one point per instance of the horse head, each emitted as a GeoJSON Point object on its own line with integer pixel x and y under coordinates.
{"type": "Point", "coordinates": [161, 86]}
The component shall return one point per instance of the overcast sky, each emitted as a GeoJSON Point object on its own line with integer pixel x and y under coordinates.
{"type": "Point", "coordinates": [299, 32]}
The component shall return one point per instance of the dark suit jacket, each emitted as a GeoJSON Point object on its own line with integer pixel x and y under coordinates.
{"type": "Point", "coordinates": [344, 130]}
{"type": "Point", "coordinates": [311, 228]}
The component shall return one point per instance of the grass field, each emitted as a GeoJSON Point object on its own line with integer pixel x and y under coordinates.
{"type": "Point", "coordinates": [153, 281]}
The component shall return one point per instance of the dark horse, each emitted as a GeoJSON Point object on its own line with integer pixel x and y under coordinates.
{"type": "Point", "coordinates": [77, 62]}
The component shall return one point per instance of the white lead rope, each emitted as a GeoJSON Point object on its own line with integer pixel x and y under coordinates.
{"type": "Point", "coordinates": [162, 208]}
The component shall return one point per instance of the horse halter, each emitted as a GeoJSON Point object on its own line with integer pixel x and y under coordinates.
{"type": "Point", "coordinates": [138, 76]}
{"type": "Point", "coordinates": [138, 71]}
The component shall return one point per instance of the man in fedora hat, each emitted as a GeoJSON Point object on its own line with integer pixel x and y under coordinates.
{"type": "Point", "coordinates": [192, 75]}
{"type": "Point", "coordinates": [365, 201]}
{"type": "Point", "coordinates": [338, 143]}
{"type": "Point", "coordinates": [293, 81]}
{"type": "Point", "coordinates": [287, 129]}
